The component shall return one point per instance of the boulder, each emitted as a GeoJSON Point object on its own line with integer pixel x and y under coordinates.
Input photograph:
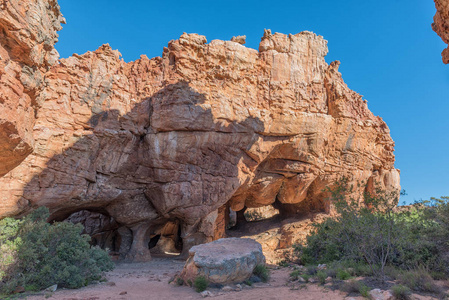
{"type": "Point", "coordinates": [378, 294]}
{"type": "Point", "coordinates": [223, 261]}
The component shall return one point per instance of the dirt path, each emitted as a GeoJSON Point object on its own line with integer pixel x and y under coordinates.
{"type": "Point", "coordinates": [150, 281]}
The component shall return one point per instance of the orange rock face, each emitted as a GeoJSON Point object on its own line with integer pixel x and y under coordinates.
{"type": "Point", "coordinates": [27, 35]}
{"type": "Point", "coordinates": [180, 139]}
{"type": "Point", "coordinates": [441, 25]}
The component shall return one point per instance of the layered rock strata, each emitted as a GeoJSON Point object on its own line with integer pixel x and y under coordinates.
{"type": "Point", "coordinates": [27, 35]}
{"type": "Point", "coordinates": [165, 147]}
{"type": "Point", "coordinates": [441, 25]}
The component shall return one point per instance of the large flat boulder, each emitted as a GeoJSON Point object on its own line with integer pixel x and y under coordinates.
{"type": "Point", "coordinates": [223, 261]}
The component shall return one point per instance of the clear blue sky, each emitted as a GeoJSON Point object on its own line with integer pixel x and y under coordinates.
{"type": "Point", "coordinates": [387, 49]}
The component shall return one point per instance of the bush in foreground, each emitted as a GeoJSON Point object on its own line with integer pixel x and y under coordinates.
{"type": "Point", "coordinates": [262, 272]}
{"type": "Point", "coordinates": [374, 234]}
{"type": "Point", "coordinates": [200, 283]}
{"type": "Point", "coordinates": [35, 254]}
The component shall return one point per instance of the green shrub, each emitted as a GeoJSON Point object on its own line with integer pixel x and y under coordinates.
{"type": "Point", "coordinates": [306, 277]}
{"type": "Point", "coordinates": [343, 274]}
{"type": "Point", "coordinates": [312, 270]}
{"type": "Point", "coordinates": [262, 272]}
{"type": "Point", "coordinates": [248, 282]}
{"type": "Point", "coordinates": [419, 280]}
{"type": "Point", "coordinates": [179, 281]}
{"type": "Point", "coordinates": [401, 292]}
{"type": "Point", "coordinates": [321, 277]}
{"type": "Point", "coordinates": [374, 235]}
{"type": "Point", "coordinates": [294, 275]}
{"type": "Point", "coordinates": [200, 284]}
{"type": "Point", "coordinates": [36, 254]}
{"type": "Point", "coordinates": [354, 286]}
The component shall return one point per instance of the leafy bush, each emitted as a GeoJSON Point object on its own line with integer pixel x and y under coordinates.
{"type": "Point", "coordinates": [373, 235]}
{"type": "Point", "coordinates": [354, 286]}
{"type": "Point", "coordinates": [343, 274]}
{"type": "Point", "coordinates": [200, 283]}
{"type": "Point", "coordinates": [401, 292]}
{"type": "Point", "coordinates": [262, 272]}
{"type": "Point", "coordinates": [36, 254]}
{"type": "Point", "coordinates": [294, 275]}
{"type": "Point", "coordinates": [419, 280]}
{"type": "Point", "coordinates": [321, 277]}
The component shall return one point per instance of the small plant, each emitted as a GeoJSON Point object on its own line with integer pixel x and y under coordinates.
{"type": "Point", "coordinates": [312, 270]}
{"type": "Point", "coordinates": [419, 280]}
{"type": "Point", "coordinates": [294, 275]}
{"type": "Point", "coordinates": [283, 263]}
{"type": "Point", "coordinates": [321, 277]}
{"type": "Point", "coordinates": [331, 273]}
{"type": "Point", "coordinates": [354, 286]}
{"type": "Point", "coordinates": [401, 292]}
{"type": "Point", "coordinates": [248, 282]}
{"type": "Point", "coordinates": [343, 274]}
{"type": "Point", "coordinates": [200, 284]}
{"type": "Point", "coordinates": [262, 272]}
{"type": "Point", "coordinates": [364, 290]}
{"type": "Point", "coordinates": [306, 277]}
{"type": "Point", "coordinates": [179, 281]}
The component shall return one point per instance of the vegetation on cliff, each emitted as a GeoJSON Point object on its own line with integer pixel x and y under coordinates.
{"type": "Point", "coordinates": [35, 254]}
{"type": "Point", "coordinates": [378, 239]}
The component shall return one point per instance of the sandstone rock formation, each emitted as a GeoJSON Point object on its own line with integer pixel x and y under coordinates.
{"type": "Point", "coordinates": [223, 261]}
{"type": "Point", "coordinates": [164, 147]}
{"type": "Point", "coordinates": [27, 35]}
{"type": "Point", "coordinates": [441, 25]}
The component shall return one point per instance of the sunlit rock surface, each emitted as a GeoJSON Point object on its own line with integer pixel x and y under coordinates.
{"type": "Point", "coordinates": [441, 25]}
{"type": "Point", "coordinates": [183, 138]}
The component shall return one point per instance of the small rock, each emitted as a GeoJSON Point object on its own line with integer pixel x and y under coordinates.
{"type": "Point", "coordinates": [328, 279]}
{"type": "Point", "coordinates": [300, 279]}
{"type": "Point", "coordinates": [123, 293]}
{"type": "Point", "coordinates": [241, 39]}
{"type": "Point", "coordinates": [321, 267]}
{"type": "Point", "coordinates": [205, 294]}
{"type": "Point", "coordinates": [110, 283]}
{"type": "Point", "coordinates": [238, 287]}
{"type": "Point", "coordinates": [311, 280]}
{"type": "Point", "coordinates": [226, 288]}
{"type": "Point", "coordinates": [52, 288]}
{"type": "Point", "coordinates": [378, 294]}
{"type": "Point", "coordinates": [255, 279]}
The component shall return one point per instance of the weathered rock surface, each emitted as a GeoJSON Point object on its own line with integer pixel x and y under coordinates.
{"type": "Point", "coordinates": [223, 261]}
{"type": "Point", "coordinates": [27, 35]}
{"type": "Point", "coordinates": [180, 139]}
{"type": "Point", "coordinates": [441, 25]}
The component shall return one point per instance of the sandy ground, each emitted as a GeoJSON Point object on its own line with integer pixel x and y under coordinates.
{"type": "Point", "coordinates": [150, 281]}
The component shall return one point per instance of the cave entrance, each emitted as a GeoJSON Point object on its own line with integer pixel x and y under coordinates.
{"type": "Point", "coordinates": [104, 230]}
{"type": "Point", "coordinates": [165, 240]}
{"type": "Point", "coordinates": [250, 220]}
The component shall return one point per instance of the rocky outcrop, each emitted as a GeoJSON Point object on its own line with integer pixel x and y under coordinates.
{"type": "Point", "coordinates": [441, 25]}
{"type": "Point", "coordinates": [27, 35]}
{"type": "Point", "coordinates": [165, 147]}
{"type": "Point", "coordinates": [223, 261]}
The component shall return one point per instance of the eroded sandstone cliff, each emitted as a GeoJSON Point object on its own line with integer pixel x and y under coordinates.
{"type": "Point", "coordinates": [27, 35]}
{"type": "Point", "coordinates": [163, 148]}
{"type": "Point", "coordinates": [441, 25]}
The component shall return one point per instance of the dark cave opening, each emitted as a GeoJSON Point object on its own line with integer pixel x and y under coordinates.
{"type": "Point", "coordinates": [104, 230]}
{"type": "Point", "coordinates": [165, 239]}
